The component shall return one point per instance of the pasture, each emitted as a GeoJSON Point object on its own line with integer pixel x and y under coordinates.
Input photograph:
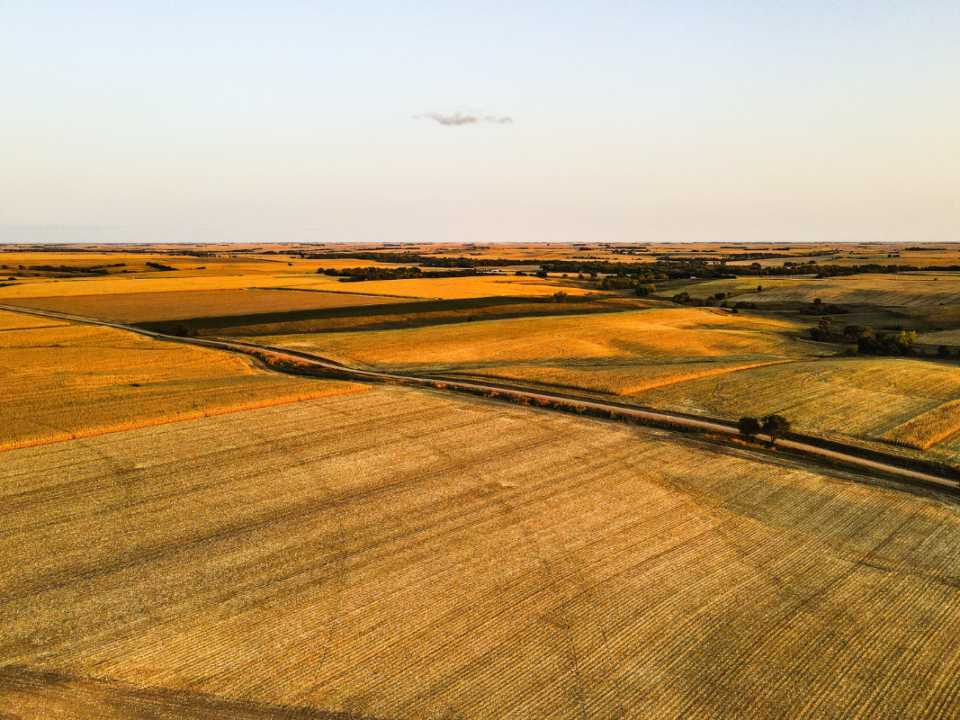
{"type": "Point", "coordinates": [394, 554]}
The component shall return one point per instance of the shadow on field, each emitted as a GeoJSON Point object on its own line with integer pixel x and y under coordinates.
{"type": "Point", "coordinates": [417, 313]}
{"type": "Point", "coordinates": [27, 694]}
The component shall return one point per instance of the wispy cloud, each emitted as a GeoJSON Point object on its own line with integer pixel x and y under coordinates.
{"type": "Point", "coordinates": [464, 118]}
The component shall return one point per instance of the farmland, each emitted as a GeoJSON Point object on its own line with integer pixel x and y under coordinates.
{"type": "Point", "coordinates": [692, 360]}
{"type": "Point", "coordinates": [905, 290]}
{"type": "Point", "coordinates": [661, 335]}
{"type": "Point", "coordinates": [63, 381]}
{"type": "Point", "coordinates": [188, 534]}
{"type": "Point", "coordinates": [155, 306]}
{"type": "Point", "coordinates": [549, 567]}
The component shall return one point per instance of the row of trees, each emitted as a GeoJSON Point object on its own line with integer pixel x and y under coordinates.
{"type": "Point", "coordinates": [818, 308]}
{"type": "Point", "coordinates": [379, 273]}
{"type": "Point", "coordinates": [776, 426]}
{"type": "Point", "coordinates": [899, 342]}
{"type": "Point", "coordinates": [404, 258]}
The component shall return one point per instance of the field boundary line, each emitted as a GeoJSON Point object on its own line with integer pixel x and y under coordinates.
{"type": "Point", "coordinates": [181, 417]}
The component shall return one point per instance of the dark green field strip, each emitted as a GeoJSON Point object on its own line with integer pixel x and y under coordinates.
{"type": "Point", "coordinates": [404, 314]}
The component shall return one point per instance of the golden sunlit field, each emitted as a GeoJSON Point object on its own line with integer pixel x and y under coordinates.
{"type": "Point", "coordinates": [399, 555]}
{"type": "Point", "coordinates": [666, 335]}
{"type": "Point", "coordinates": [191, 534]}
{"type": "Point", "coordinates": [147, 307]}
{"type": "Point", "coordinates": [63, 381]}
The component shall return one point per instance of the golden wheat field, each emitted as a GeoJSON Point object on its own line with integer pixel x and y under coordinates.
{"type": "Point", "coordinates": [663, 335]}
{"type": "Point", "coordinates": [147, 307]}
{"type": "Point", "coordinates": [393, 554]}
{"type": "Point", "coordinates": [63, 381]}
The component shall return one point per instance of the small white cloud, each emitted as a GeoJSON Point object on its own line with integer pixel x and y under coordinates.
{"type": "Point", "coordinates": [458, 118]}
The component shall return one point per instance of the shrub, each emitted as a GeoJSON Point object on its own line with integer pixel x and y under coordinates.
{"type": "Point", "coordinates": [181, 330]}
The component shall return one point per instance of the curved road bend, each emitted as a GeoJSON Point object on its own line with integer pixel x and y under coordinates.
{"type": "Point", "coordinates": [678, 421]}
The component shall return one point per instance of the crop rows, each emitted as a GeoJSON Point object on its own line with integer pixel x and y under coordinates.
{"type": "Point", "coordinates": [67, 381]}
{"type": "Point", "coordinates": [395, 554]}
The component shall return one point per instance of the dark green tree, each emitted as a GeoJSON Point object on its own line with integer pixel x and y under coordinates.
{"type": "Point", "coordinates": [776, 426]}
{"type": "Point", "coordinates": [749, 427]}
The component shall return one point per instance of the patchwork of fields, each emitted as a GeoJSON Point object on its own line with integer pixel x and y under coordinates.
{"type": "Point", "coordinates": [186, 534]}
{"type": "Point", "coordinates": [398, 555]}
{"type": "Point", "coordinates": [63, 381]}
{"type": "Point", "coordinates": [659, 335]}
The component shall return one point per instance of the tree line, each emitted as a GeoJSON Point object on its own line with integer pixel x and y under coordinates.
{"type": "Point", "coordinates": [362, 274]}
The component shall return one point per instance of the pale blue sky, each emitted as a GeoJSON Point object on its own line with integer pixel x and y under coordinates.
{"type": "Point", "coordinates": [632, 121]}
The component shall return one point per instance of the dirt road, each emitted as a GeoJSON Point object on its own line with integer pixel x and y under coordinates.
{"type": "Point", "coordinates": [677, 422]}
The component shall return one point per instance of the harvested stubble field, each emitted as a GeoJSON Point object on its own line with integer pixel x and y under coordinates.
{"type": "Point", "coordinates": [659, 335]}
{"type": "Point", "coordinates": [157, 306]}
{"type": "Point", "coordinates": [902, 290]}
{"type": "Point", "coordinates": [397, 555]}
{"type": "Point", "coordinates": [854, 398]}
{"type": "Point", "coordinates": [63, 381]}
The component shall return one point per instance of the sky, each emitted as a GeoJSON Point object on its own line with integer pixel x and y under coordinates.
{"type": "Point", "coordinates": [493, 121]}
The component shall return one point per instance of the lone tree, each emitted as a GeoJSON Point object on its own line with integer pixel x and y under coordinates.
{"type": "Point", "coordinates": [748, 427]}
{"type": "Point", "coordinates": [775, 426]}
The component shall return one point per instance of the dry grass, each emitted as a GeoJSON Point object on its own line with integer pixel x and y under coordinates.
{"type": "Point", "coordinates": [150, 307]}
{"type": "Point", "coordinates": [662, 335]}
{"type": "Point", "coordinates": [398, 555]}
{"type": "Point", "coordinates": [925, 431]}
{"type": "Point", "coordinates": [67, 381]}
